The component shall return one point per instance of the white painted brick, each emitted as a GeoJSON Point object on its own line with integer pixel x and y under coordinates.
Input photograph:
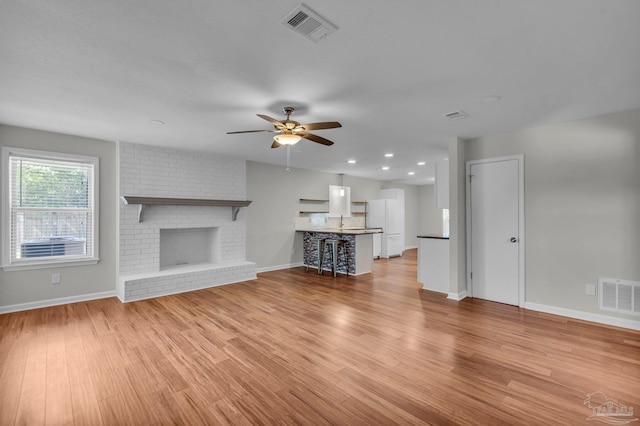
{"type": "Point", "coordinates": [167, 172]}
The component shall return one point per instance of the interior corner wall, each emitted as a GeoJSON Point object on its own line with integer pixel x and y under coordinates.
{"type": "Point", "coordinates": [33, 287]}
{"type": "Point", "coordinates": [457, 219]}
{"type": "Point", "coordinates": [582, 205]}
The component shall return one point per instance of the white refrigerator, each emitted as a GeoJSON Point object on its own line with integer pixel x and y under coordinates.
{"type": "Point", "coordinates": [386, 214]}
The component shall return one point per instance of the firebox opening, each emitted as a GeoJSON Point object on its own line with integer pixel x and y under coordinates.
{"type": "Point", "coordinates": [188, 246]}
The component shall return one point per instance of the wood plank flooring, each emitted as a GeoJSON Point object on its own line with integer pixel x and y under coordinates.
{"type": "Point", "coordinates": [296, 348]}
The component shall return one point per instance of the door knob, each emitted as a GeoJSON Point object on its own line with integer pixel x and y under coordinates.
{"type": "Point", "coordinates": [513, 240]}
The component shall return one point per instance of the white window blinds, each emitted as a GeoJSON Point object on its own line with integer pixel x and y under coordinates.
{"type": "Point", "coordinates": [52, 207]}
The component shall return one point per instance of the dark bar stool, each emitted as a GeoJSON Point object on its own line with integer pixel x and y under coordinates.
{"type": "Point", "coordinates": [320, 242]}
{"type": "Point", "coordinates": [334, 244]}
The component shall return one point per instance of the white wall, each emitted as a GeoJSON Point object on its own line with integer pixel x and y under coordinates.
{"type": "Point", "coordinates": [33, 287]}
{"type": "Point", "coordinates": [582, 204]}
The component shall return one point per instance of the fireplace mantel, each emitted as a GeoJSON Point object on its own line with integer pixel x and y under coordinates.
{"type": "Point", "coordinates": [150, 201]}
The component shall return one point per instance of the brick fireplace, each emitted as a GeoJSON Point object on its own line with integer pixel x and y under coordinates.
{"type": "Point", "coordinates": [164, 253]}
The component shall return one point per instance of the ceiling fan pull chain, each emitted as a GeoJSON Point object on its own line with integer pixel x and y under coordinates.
{"type": "Point", "coordinates": [288, 158]}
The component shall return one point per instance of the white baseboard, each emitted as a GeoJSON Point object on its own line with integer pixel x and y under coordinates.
{"type": "Point", "coordinates": [457, 296]}
{"type": "Point", "coordinates": [278, 267]}
{"type": "Point", "coordinates": [55, 302]}
{"type": "Point", "coordinates": [586, 316]}
{"type": "Point", "coordinates": [410, 247]}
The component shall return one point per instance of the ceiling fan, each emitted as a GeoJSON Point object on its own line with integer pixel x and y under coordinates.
{"type": "Point", "coordinates": [291, 132]}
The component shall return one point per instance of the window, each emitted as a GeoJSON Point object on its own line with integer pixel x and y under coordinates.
{"type": "Point", "coordinates": [445, 222]}
{"type": "Point", "coordinates": [49, 214]}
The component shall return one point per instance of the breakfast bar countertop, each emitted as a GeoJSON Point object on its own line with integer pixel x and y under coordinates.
{"type": "Point", "coordinates": [344, 231]}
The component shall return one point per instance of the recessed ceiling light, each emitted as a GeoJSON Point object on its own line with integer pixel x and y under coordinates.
{"type": "Point", "coordinates": [157, 122]}
{"type": "Point", "coordinates": [411, 173]}
{"type": "Point", "coordinates": [388, 155]}
{"type": "Point", "coordinates": [385, 168]}
{"type": "Point", "coordinates": [351, 161]}
{"type": "Point", "coordinates": [421, 163]}
{"type": "Point", "coordinates": [490, 99]}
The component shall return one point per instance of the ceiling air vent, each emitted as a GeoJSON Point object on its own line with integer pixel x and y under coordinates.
{"type": "Point", "coordinates": [456, 115]}
{"type": "Point", "coordinates": [308, 23]}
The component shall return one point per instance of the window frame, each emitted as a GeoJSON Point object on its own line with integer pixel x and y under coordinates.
{"type": "Point", "coordinates": [44, 263]}
{"type": "Point", "coordinates": [446, 222]}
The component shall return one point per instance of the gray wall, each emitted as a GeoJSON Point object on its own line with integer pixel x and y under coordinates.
{"type": "Point", "coordinates": [271, 240]}
{"type": "Point", "coordinates": [582, 204]}
{"type": "Point", "coordinates": [32, 286]}
{"type": "Point", "coordinates": [430, 220]}
{"type": "Point", "coordinates": [457, 219]}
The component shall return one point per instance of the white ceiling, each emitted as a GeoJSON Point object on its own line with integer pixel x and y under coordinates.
{"type": "Point", "coordinates": [104, 69]}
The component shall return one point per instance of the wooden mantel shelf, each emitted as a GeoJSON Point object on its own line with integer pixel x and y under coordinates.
{"type": "Point", "coordinates": [150, 201]}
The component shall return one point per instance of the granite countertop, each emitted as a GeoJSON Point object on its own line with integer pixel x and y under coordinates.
{"type": "Point", "coordinates": [436, 236]}
{"type": "Point", "coordinates": [344, 231]}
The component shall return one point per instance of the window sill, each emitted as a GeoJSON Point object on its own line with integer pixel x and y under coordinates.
{"type": "Point", "coordinates": [46, 265]}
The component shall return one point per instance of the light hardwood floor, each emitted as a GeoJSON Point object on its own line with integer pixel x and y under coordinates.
{"type": "Point", "coordinates": [296, 348]}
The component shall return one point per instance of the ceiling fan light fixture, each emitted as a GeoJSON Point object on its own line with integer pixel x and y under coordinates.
{"type": "Point", "coordinates": [287, 139]}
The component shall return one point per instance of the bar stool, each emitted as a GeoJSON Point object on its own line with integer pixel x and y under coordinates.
{"type": "Point", "coordinates": [334, 244]}
{"type": "Point", "coordinates": [320, 243]}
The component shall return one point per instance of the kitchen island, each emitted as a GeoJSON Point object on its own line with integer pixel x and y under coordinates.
{"type": "Point", "coordinates": [355, 256]}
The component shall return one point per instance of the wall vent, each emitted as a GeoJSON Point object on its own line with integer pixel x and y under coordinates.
{"type": "Point", "coordinates": [456, 115]}
{"type": "Point", "coordinates": [619, 296]}
{"type": "Point", "coordinates": [308, 23]}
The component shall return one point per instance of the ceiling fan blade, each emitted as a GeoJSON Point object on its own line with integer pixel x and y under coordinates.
{"type": "Point", "coordinates": [252, 131]}
{"type": "Point", "coordinates": [315, 138]}
{"type": "Point", "coordinates": [273, 121]}
{"type": "Point", "coordinates": [320, 126]}
{"type": "Point", "coordinates": [276, 144]}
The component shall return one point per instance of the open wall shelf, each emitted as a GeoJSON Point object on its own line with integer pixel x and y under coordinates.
{"type": "Point", "coordinates": [150, 201]}
{"type": "Point", "coordinates": [313, 200]}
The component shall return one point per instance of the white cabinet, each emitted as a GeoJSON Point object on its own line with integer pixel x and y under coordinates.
{"type": "Point", "coordinates": [433, 263]}
{"type": "Point", "coordinates": [442, 184]}
{"type": "Point", "coordinates": [377, 246]}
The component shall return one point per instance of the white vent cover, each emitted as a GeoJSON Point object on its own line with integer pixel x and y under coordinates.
{"type": "Point", "coordinates": [456, 115]}
{"type": "Point", "coordinates": [308, 23]}
{"type": "Point", "coordinates": [619, 296]}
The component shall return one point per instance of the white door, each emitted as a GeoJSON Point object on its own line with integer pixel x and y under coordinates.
{"type": "Point", "coordinates": [495, 200]}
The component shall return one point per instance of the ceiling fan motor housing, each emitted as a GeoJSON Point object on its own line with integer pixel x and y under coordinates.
{"type": "Point", "coordinates": [294, 130]}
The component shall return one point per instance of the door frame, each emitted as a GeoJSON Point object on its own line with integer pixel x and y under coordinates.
{"type": "Point", "coordinates": [521, 234]}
